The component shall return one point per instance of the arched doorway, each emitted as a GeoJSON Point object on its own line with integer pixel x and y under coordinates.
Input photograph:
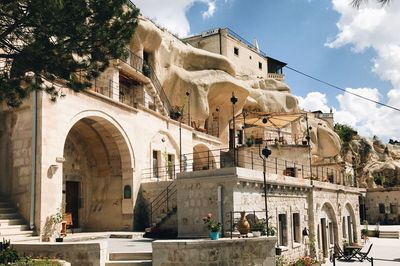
{"type": "Point", "coordinates": [327, 229]}
{"type": "Point", "coordinates": [203, 158]}
{"type": "Point", "coordinates": [349, 224]}
{"type": "Point", "coordinates": [96, 173]}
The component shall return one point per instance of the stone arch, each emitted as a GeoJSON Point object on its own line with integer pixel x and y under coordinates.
{"type": "Point", "coordinates": [98, 165]}
{"type": "Point", "coordinates": [327, 228]}
{"type": "Point", "coordinates": [203, 158]}
{"type": "Point", "coordinates": [350, 224]}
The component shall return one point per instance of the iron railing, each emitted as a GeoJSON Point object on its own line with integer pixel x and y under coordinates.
{"type": "Point", "coordinates": [143, 67]}
{"type": "Point", "coordinates": [163, 204]}
{"type": "Point", "coordinates": [223, 158]}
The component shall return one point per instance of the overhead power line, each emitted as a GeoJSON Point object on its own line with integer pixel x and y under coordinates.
{"type": "Point", "coordinates": [341, 89]}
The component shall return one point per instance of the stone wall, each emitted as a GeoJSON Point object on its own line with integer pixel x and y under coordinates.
{"type": "Point", "coordinates": [298, 202]}
{"type": "Point", "coordinates": [15, 154]}
{"type": "Point", "coordinates": [390, 198]}
{"type": "Point", "coordinates": [250, 251]}
{"type": "Point", "coordinates": [78, 254]}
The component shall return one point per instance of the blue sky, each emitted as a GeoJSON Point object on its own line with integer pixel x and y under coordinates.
{"type": "Point", "coordinates": [351, 48]}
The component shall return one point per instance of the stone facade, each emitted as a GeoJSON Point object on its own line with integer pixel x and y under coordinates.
{"type": "Point", "coordinates": [329, 212]}
{"type": "Point", "coordinates": [382, 205]}
{"type": "Point", "coordinates": [251, 251]}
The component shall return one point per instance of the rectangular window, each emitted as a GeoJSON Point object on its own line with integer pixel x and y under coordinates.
{"type": "Point", "coordinates": [330, 225]}
{"type": "Point", "coordinates": [259, 65]}
{"type": "Point", "coordinates": [171, 166]}
{"type": "Point", "coordinates": [393, 208]}
{"type": "Point", "coordinates": [344, 227]}
{"type": "Point", "coordinates": [381, 208]}
{"type": "Point", "coordinates": [282, 229]}
{"type": "Point", "coordinates": [296, 227]}
{"type": "Point", "coordinates": [155, 164]}
{"type": "Point", "coordinates": [236, 50]}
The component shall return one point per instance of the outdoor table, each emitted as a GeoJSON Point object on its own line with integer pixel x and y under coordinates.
{"type": "Point", "coordinates": [352, 251]}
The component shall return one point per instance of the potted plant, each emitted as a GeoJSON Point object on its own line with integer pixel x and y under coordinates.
{"type": "Point", "coordinates": [250, 141]}
{"type": "Point", "coordinates": [146, 69]}
{"type": "Point", "coordinates": [212, 225]}
{"type": "Point", "coordinates": [58, 218]}
{"type": "Point", "coordinates": [257, 227]}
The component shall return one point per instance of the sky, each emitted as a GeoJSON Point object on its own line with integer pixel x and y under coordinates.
{"type": "Point", "coordinates": [357, 50]}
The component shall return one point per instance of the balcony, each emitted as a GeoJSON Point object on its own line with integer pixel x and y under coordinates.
{"type": "Point", "coordinates": [249, 159]}
{"type": "Point", "coordinates": [280, 77]}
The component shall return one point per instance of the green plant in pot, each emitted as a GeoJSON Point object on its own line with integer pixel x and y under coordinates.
{"type": "Point", "coordinates": [146, 69]}
{"type": "Point", "coordinates": [250, 141]}
{"type": "Point", "coordinates": [212, 225]}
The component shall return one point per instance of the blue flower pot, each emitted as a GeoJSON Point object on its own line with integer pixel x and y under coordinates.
{"type": "Point", "coordinates": [214, 235]}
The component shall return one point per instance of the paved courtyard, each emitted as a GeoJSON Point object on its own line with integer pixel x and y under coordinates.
{"type": "Point", "coordinates": [384, 251]}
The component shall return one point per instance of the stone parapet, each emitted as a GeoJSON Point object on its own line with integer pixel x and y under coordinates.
{"type": "Point", "coordinates": [78, 254]}
{"type": "Point", "coordinates": [245, 251]}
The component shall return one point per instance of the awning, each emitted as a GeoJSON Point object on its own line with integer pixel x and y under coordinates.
{"type": "Point", "coordinates": [275, 120]}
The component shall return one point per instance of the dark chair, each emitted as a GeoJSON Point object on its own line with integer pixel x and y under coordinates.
{"type": "Point", "coordinates": [340, 254]}
{"type": "Point", "coordinates": [364, 255]}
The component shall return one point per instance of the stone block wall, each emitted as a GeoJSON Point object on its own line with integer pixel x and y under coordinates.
{"type": "Point", "coordinates": [78, 254]}
{"type": "Point", "coordinates": [389, 198]}
{"type": "Point", "coordinates": [250, 251]}
{"type": "Point", "coordinates": [16, 156]}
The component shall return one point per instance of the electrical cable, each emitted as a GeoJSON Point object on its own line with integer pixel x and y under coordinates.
{"type": "Point", "coordinates": [341, 89]}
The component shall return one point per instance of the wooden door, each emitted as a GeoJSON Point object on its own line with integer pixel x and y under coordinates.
{"type": "Point", "coordinates": [72, 201]}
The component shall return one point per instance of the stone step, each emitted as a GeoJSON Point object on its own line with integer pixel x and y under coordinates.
{"type": "Point", "coordinates": [389, 234]}
{"type": "Point", "coordinates": [12, 215]}
{"type": "Point", "coordinates": [6, 209]}
{"type": "Point", "coordinates": [7, 233]}
{"type": "Point", "coordinates": [5, 204]}
{"type": "Point", "coordinates": [123, 256]}
{"type": "Point", "coordinates": [10, 229]}
{"type": "Point", "coordinates": [6, 222]}
{"type": "Point", "coordinates": [130, 263]}
{"type": "Point", "coordinates": [21, 239]}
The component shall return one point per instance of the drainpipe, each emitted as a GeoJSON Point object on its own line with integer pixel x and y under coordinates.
{"type": "Point", "coordinates": [34, 150]}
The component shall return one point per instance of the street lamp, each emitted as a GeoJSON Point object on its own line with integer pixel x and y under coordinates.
{"type": "Point", "coordinates": [188, 96]}
{"type": "Point", "coordinates": [234, 100]}
{"type": "Point", "coordinates": [178, 116]}
{"type": "Point", "coordinates": [264, 154]}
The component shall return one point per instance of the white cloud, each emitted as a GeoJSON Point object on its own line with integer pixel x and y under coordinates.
{"type": "Point", "coordinates": [378, 28]}
{"type": "Point", "coordinates": [210, 12]}
{"type": "Point", "coordinates": [172, 13]}
{"type": "Point", "coordinates": [314, 101]}
{"type": "Point", "coordinates": [367, 117]}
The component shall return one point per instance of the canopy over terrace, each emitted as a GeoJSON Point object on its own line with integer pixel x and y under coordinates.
{"type": "Point", "coordinates": [268, 119]}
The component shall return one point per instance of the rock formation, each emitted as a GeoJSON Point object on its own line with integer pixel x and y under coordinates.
{"type": "Point", "coordinates": [211, 79]}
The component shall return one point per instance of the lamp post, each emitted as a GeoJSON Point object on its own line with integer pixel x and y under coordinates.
{"type": "Point", "coordinates": [178, 116]}
{"type": "Point", "coordinates": [308, 138]}
{"type": "Point", "coordinates": [188, 96]}
{"type": "Point", "coordinates": [264, 154]}
{"type": "Point", "coordinates": [234, 100]}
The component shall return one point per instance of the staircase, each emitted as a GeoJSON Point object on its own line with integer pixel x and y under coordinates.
{"type": "Point", "coordinates": [12, 226]}
{"type": "Point", "coordinates": [130, 259]}
{"type": "Point", "coordinates": [389, 234]}
{"type": "Point", "coordinates": [161, 211]}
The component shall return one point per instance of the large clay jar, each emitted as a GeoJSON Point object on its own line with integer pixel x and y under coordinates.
{"type": "Point", "coordinates": [243, 225]}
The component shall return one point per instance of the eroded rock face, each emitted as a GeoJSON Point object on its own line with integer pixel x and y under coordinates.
{"type": "Point", "coordinates": [377, 164]}
{"type": "Point", "coordinates": [211, 79]}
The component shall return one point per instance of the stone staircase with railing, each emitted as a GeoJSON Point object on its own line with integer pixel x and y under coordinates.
{"type": "Point", "coordinates": [12, 226]}
{"type": "Point", "coordinates": [162, 214]}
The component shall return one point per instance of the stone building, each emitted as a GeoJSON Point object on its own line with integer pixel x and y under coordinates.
{"type": "Point", "coordinates": [382, 205]}
{"type": "Point", "coordinates": [120, 156]}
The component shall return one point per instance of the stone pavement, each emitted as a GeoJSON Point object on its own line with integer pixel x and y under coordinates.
{"type": "Point", "coordinates": [384, 251]}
